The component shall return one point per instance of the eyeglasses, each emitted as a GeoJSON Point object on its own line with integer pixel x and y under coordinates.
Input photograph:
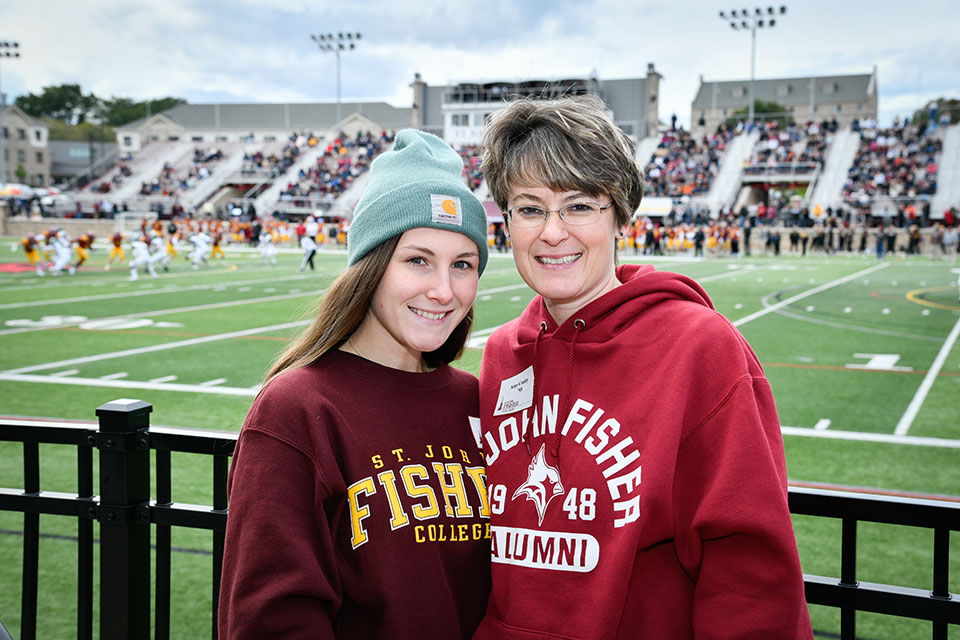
{"type": "Point", "coordinates": [575, 213]}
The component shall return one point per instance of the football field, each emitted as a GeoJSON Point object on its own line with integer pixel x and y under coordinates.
{"type": "Point", "coordinates": [862, 356]}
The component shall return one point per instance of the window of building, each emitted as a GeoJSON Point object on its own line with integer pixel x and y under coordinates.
{"type": "Point", "coordinates": [21, 134]}
{"type": "Point", "coordinates": [21, 155]}
{"type": "Point", "coordinates": [478, 119]}
{"type": "Point", "coordinates": [461, 120]}
{"type": "Point", "coordinates": [38, 135]}
{"type": "Point", "coordinates": [4, 132]}
{"type": "Point", "coordinates": [836, 109]}
{"type": "Point", "coordinates": [739, 92]}
{"type": "Point", "coordinates": [79, 153]}
{"type": "Point", "coordinates": [39, 157]}
{"type": "Point", "coordinates": [196, 138]}
{"type": "Point", "coordinates": [38, 179]}
{"type": "Point", "coordinates": [269, 138]}
{"type": "Point", "coordinates": [830, 88]}
{"type": "Point", "coordinates": [784, 90]}
{"type": "Point", "coordinates": [127, 141]}
{"type": "Point", "coordinates": [221, 138]}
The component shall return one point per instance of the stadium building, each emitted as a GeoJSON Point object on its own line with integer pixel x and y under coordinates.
{"type": "Point", "coordinates": [817, 98]}
{"type": "Point", "coordinates": [213, 123]}
{"type": "Point", "coordinates": [457, 112]}
{"type": "Point", "coordinates": [26, 152]}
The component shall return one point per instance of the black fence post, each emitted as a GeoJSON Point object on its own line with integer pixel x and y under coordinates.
{"type": "Point", "coordinates": [124, 443]}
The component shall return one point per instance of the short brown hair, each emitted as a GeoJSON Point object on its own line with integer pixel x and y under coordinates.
{"type": "Point", "coordinates": [565, 144]}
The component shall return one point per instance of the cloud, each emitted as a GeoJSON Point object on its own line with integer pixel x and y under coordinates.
{"type": "Point", "coordinates": [260, 50]}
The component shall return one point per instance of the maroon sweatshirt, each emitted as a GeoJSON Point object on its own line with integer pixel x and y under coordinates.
{"type": "Point", "coordinates": [652, 500]}
{"type": "Point", "coordinates": [358, 507]}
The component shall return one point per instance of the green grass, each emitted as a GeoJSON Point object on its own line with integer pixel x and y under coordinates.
{"type": "Point", "coordinates": [903, 308]}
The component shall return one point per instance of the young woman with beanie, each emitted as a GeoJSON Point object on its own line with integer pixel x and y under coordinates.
{"type": "Point", "coordinates": [637, 480]}
{"type": "Point", "coordinates": [358, 503]}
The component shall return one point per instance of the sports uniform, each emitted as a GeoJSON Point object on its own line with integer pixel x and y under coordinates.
{"type": "Point", "coordinates": [309, 250]}
{"type": "Point", "coordinates": [268, 252]}
{"type": "Point", "coordinates": [84, 244]}
{"type": "Point", "coordinates": [141, 258]}
{"type": "Point", "coordinates": [584, 545]}
{"type": "Point", "coordinates": [29, 244]}
{"type": "Point", "coordinates": [61, 254]}
{"type": "Point", "coordinates": [378, 511]}
{"type": "Point", "coordinates": [217, 250]}
{"type": "Point", "coordinates": [116, 251]}
{"type": "Point", "coordinates": [201, 244]}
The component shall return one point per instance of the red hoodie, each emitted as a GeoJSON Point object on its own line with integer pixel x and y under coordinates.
{"type": "Point", "coordinates": [652, 501]}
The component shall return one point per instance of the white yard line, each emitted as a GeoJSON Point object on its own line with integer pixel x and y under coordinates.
{"type": "Point", "coordinates": [157, 347]}
{"type": "Point", "coordinates": [807, 294]}
{"type": "Point", "coordinates": [114, 376]}
{"type": "Point", "coordinates": [132, 384]}
{"type": "Point", "coordinates": [864, 436]}
{"type": "Point", "coordinates": [159, 380]}
{"type": "Point", "coordinates": [163, 312]}
{"type": "Point", "coordinates": [749, 268]}
{"type": "Point", "coordinates": [147, 292]}
{"type": "Point", "coordinates": [911, 413]}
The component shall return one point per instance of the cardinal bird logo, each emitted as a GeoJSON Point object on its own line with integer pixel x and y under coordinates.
{"type": "Point", "coordinates": [542, 485]}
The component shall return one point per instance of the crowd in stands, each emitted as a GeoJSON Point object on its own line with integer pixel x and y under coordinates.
{"type": "Point", "coordinates": [681, 165]}
{"type": "Point", "coordinates": [342, 162]}
{"type": "Point", "coordinates": [472, 174]}
{"type": "Point", "coordinates": [171, 181]}
{"type": "Point", "coordinates": [899, 161]}
{"type": "Point", "coordinates": [274, 164]}
{"type": "Point", "coordinates": [794, 148]}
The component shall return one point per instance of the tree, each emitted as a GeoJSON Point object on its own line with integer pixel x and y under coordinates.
{"type": "Point", "coordinates": [21, 173]}
{"type": "Point", "coordinates": [119, 111]}
{"type": "Point", "coordinates": [762, 112]}
{"type": "Point", "coordinates": [65, 102]}
{"type": "Point", "coordinates": [941, 106]}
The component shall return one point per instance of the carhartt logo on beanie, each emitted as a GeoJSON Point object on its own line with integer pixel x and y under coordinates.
{"type": "Point", "coordinates": [418, 183]}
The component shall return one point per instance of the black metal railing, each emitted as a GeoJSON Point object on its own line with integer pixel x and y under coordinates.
{"type": "Point", "coordinates": [126, 512]}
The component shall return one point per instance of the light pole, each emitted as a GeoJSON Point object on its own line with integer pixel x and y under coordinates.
{"type": "Point", "coordinates": [336, 42]}
{"type": "Point", "coordinates": [744, 19]}
{"type": "Point", "coordinates": [7, 50]}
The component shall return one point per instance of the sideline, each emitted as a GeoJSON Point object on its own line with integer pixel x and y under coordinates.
{"type": "Point", "coordinates": [914, 407]}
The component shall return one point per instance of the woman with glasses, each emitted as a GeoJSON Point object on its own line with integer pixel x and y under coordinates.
{"type": "Point", "coordinates": [635, 464]}
{"type": "Point", "coordinates": [358, 504]}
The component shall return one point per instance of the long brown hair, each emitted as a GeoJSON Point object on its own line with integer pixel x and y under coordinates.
{"type": "Point", "coordinates": [344, 306]}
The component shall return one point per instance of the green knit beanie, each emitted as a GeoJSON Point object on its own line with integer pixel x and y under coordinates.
{"type": "Point", "coordinates": [418, 183]}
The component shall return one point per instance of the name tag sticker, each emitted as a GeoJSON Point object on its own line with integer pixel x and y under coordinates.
{"type": "Point", "coordinates": [516, 393]}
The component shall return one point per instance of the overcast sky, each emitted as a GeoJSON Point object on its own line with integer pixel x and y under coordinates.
{"type": "Point", "coordinates": [261, 51]}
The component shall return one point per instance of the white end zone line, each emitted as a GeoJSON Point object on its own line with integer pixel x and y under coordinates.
{"type": "Point", "coordinates": [911, 413]}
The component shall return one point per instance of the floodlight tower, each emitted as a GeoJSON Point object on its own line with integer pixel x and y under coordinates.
{"type": "Point", "coordinates": [7, 50]}
{"type": "Point", "coordinates": [336, 42]}
{"type": "Point", "coordinates": [744, 19]}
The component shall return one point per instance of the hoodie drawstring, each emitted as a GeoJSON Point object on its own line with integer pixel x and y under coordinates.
{"type": "Point", "coordinates": [578, 324]}
{"type": "Point", "coordinates": [536, 352]}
